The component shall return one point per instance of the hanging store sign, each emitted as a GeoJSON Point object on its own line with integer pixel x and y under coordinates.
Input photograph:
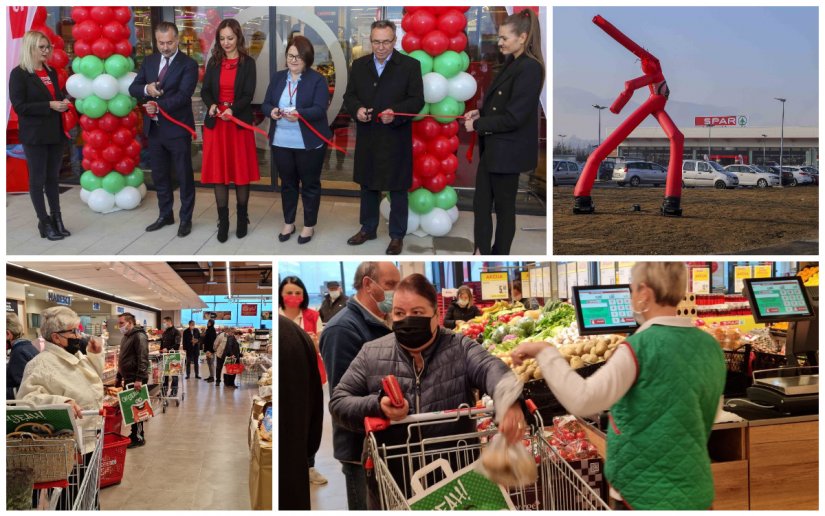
{"type": "Point", "coordinates": [59, 299]}
{"type": "Point", "coordinates": [249, 310]}
{"type": "Point", "coordinates": [12, 306]}
{"type": "Point", "coordinates": [701, 280]}
{"type": "Point", "coordinates": [494, 285]}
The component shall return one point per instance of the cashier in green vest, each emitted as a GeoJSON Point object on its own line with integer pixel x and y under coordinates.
{"type": "Point", "coordinates": [663, 387]}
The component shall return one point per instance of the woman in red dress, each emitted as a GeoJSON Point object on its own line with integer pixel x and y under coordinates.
{"type": "Point", "coordinates": [229, 154]}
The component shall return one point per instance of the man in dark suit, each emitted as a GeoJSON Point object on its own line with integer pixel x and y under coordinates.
{"type": "Point", "coordinates": [381, 84]}
{"type": "Point", "coordinates": [191, 344]}
{"type": "Point", "coordinates": [169, 78]}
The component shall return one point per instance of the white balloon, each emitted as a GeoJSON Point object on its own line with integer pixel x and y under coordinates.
{"type": "Point", "coordinates": [105, 86]}
{"type": "Point", "coordinates": [101, 201]}
{"type": "Point", "coordinates": [420, 233]}
{"type": "Point", "coordinates": [84, 195]}
{"type": "Point", "coordinates": [128, 198]}
{"type": "Point", "coordinates": [413, 221]}
{"type": "Point", "coordinates": [437, 222]}
{"type": "Point", "coordinates": [435, 87]}
{"type": "Point", "coordinates": [124, 82]}
{"type": "Point", "coordinates": [79, 86]}
{"type": "Point", "coordinates": [453, 213]}
{"type": "Point", "coordinates": [142, 190]}
{"type": "Point", "coordinates": [462, 87]}
{"type": "Point", "coordinates": [384, 208]}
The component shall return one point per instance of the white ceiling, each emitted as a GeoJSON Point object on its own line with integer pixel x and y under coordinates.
{"type": "Point", "coordinates": [149, 283]}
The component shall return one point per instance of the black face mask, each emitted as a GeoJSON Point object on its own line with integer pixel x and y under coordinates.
{"type": "Point", "coordinates": [73, 345]}
{"type": "Point", "coordinates": [413, 331]}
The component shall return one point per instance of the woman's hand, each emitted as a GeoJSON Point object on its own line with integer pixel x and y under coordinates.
{"type": "Point", "coordinates": [512, 424]}
{"type": "Point", "coordinates": [213, 109]}
{"type": "Point", "coordinates": [527, 350]}
{"type": "Point", "coordinates": [291, 116]}
{"type": "Point", "coordinates": [78, 411]}
{"type": "Point", "coordinates": [95, 345]}
{"type": "Point", "coordinates": [226, 114]}
{"type": "Point", "coordinates": [468, 125]}
{"type": "Point", "coordinates": [59, 105]}
{"type": "Point", "coordinates": [275, 114]}
{"type": "Point", "coordinates": [473, 114]}
{"type": "Point", "coordinates": [394, 413]}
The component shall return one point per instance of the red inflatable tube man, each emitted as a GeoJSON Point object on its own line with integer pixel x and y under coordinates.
{"type": "Point", "coordinates": [654, 105]}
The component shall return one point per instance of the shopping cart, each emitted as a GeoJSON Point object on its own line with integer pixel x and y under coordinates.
{"type": "Point", "coordinates": [558, 486]}
{"type": "Point", "coordinates": [81, 487]}
{"type": "Point", "coordinates": [172, 371]}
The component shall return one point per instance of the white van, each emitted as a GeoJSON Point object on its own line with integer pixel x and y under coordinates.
{"type": "Point", "coordinates": [697, 172]}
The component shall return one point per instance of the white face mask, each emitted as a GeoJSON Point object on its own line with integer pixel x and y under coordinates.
{"type": "Point", "coordinates": [334, 294]}
{"type": "Point", "coordinates": [463, 303]}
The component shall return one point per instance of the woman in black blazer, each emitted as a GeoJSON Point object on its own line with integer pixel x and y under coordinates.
{"type": "Point", "coordinates": [297, 152]}
{"type": "Point", "coordinates": [507, 126]}
{"type": "Point", "coordinates": [229, 154]}
{"type": "Point", "coordinates": [36, 97]}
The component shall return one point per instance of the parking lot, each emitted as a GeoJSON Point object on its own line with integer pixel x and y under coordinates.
{"type": "Point", "coordinates": [714, 222]}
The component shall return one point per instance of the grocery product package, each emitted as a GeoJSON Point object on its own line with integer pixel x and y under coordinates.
{"type": "Point", "coordinates": [510, 465]}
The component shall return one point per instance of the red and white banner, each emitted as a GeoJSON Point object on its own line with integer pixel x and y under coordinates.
{"type": "Point", "coordinates": [18, 21]}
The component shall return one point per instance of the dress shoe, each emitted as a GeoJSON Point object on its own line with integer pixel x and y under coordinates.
{"type": "Point", "coordinates": [223, 224]}
{"type": "Point", "coordinates": [47, 229]}
{"type": "Point", "coordinates": [284, 237]}
{"type": "Point", "coordinates": [162, 221]}
{"type": "Point", "coordinates": [303, 240]}
{"type": "Point", "coordinates": [198, 377]}
{"type": "Point", "coordinates": [210, 379]}
{"type": "Point", "coordinates": [361, 237]}
{"type": "Point", "coordinates": [57, 221]}
{"type": "Point", "coordinates": [185, 228]}
{"type": "Point", "coordinates": [134, 443]}
{"type": "Point", "coordinates": [396, 246]}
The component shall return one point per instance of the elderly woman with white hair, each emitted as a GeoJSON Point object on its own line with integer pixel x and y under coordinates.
{"type": "Point", "coordinates": [663, 387]}
{"type": "Point", "coordinates": [61, 373]}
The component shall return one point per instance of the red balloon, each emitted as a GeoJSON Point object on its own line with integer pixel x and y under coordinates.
{"type": "Point", "coordinates": [451, 22]}
{"type": "Point", "coordinates": [112, 153]}
{"type": "Point", "coordinates": [449, 179]}
{"type": "Point", "coordinates": [416, 184]}
{"type": "Point", "coordinates": [405, 23]}
{"type": "Point", "coordinates": [435, 43]}
{"type": "Point", "coordinates": [449, 165]}
{"type": "Point", "coordinates": [57, 42]}
{"type": "Point", "coordinates": [418, 146]}
{"type": "Point", "coordinates": [412, 8]}
{"type": "Point", "coordinates": [103, 48]}
{"type": "Point", "coordinates": [133, 150]}
{"type": "Point", "coordinates": [87, 30]}
{"type": "Point", "coordinates": [427, 129]}
{"type": "Point", "coordinates": [129, 120]}
{"type": "Point", "coordinates": [450, 129]}
{"type": "Point", "coordinates": [458, 42]}
{"type": "Point", "coordinates": [80, 14]}
{"type": "Point", "coordinates": [121, 14]}
{"type": "Point", "coordinates": [410, 42]}
{"type": "Point", "coordinates": [88, 124]}
{"type": "Point", "coordinates": [108, 122]}
{"type": "Point", "coordinates": [39, 16]}
{"type": "Point", "coordinates": [123, 47]}
{"type": "Point", "coordinates": [125, 166]}
{"type": "Point", "coordinates": [453, 144]}
{"type": "Point", "coordinates": [113, 31]}
{"type": "Point", "coordinates": [100, 168]}
{"type": "Point", "coordinates": [123, 136]}
{"type": "Point", "coordinates": [101, 14]}
{"type": "Point", "coordinates": [81, 48]}
{"type": "Point", "coordinates": [439, 147]}
{"type": "Point", "coordinates": [69, 119]}
{"type": "Point", "coordinates": [422, 22]}
{"type": "Point", "coordinates": [97, 139]}
{"type": "Point", "coordinates": [436, 183]}
{"type": "Point", "coordinates": [426, 166]}
{"type": "Point", "coordinates": [62, 77]}
{"type": "Point", "coordinates": [86, 163]}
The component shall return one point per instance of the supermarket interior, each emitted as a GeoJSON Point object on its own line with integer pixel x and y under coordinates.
{"type": "Point", "coordinates": [102, 409]}
{"type": "Point", "coordinates": [700, 378]}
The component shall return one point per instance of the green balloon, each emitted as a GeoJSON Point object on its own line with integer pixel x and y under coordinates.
{"type": "Point", "coordinates": [135, 178]}
{"type": "Point", "coordinates": [134, 102]}
{"type": "Point", "coordinates": [465, 61]}
{"type": "Point", "coordinates": [449, 107]}
{"type": "Point", "coordinates": [448, 64]}
{"type": "Point", "coordinates": [131, 64]}
{"type": "Point", "coordinates": [120, 105]}
{"type": "Point", "coordinates": [425, 60]}
{"type": "Point", "coordinates": [113, 182]}
{"type": "Point", "coordinates": [117, 66]}
{"type": "Point", "coordinates": [94, 106]}
{"type": "Point", "coordinates": [91, 66]}
{"type": "Point", "coordinates": [421, 201]}
{"type": "Point", "coordinates": [78, 105]}
{"type": "Point", "coordinates": [424, 111]}
{"type": "Point", "coordinates": [89, 181]}
{"type": "Point", "coordinates": [76, 64]}
{"type": "Point", "coordinates": [446, 198]}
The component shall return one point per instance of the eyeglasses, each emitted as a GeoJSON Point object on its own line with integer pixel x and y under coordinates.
{"type": "Point", "coordinates": [44, 48]}
{"type": "Point", "coordinates": [75, 332]}
{"type": "Point", "coordinates": [384, 43]}
{"type": "Point", "coordinates": [293, 57]}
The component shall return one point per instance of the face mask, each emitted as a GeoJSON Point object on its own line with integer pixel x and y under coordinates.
{"type": "Point", "coordinates": [413, 331]}
{"type": "Point", "coordinates": [463, 303]}
{"type": "Point", "coordinates": [293, 300]}
{"type": "Point", "coordinates": [334, 294]}
{"type": "Point", "coordinates": [385, 305]}
{"type": "Point", "coordinates": [73, 345]}
{"type": "Point", "coordinates": [123, 330]}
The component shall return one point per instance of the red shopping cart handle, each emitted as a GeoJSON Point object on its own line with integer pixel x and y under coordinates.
{"type": "Point", "coordinates": [376, 424]}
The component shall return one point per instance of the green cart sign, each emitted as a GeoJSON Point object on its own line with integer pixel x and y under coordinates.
{"type": "Point", "coordinates": [466, 490]}
{"type": "Point", "coordinates": [135, 406]}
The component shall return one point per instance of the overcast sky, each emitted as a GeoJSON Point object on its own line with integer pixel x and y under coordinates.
{"type": "Point", "coordinates": [717, 61]}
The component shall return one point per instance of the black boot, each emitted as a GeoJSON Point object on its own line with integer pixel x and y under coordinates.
{"type": "Point", "coordinates": [223, 224]}
{"type": "Point", "coordinates": [57, 221]}
{"type": "Point", "coordinates": [243, 221]}
{"type": "Point", "coordinates": [583, 205]}
{"type": "Point", "coordinates": [47, 230]}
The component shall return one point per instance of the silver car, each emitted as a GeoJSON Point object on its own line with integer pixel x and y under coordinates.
{"type": "Point", "coordinates": [749, 175]}
{"type": "Point", "coordinates": [800, 176]}
{"type": "Point", "coordinates": [637, 173]}
{"type": "Point", "coordinates": [565, 172]}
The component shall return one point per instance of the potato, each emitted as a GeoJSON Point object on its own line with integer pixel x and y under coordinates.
{"type": "Point", "coordinates": [537, 375]}
{"type": "Point", "coordinates": [608, 354]}
{"type": "Point", "coordinates": [588, 358]}
{"type": "Point", "coordinates": [600, 348]}
{"type": "Point", "coordinates": [576, 362]}
{"type": "Point", "coordinates": [567, 351]}
{"type": "Point", "coordinates": [579, 349]}
{"type": "Point", "coordinates": [588, 346]}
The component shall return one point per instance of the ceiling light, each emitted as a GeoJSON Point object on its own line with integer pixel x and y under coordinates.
{"type": "Point", "coordinates": [30, 294]}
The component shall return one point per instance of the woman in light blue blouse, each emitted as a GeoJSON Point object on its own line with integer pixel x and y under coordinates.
{"type": "Point", "coordinates": [297, 152]}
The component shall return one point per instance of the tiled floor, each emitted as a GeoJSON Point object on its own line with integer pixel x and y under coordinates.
{"type": "Point", "coordinates": [196, 455]}
{"type": "Point", "coordinates": [123, 232]}
{"type": "Point", "coordinates": [332, 496]}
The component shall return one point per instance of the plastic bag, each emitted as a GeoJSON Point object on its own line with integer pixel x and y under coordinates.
{"type": "Point", "coordinates": [508, 465]}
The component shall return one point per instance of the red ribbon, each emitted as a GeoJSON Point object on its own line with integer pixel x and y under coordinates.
{"type": "Point", "coordinates": [473, 136]}
{"type": "Point", "coordinates": [243, 124]}
{"type": "Point", "coordinates": [171, 119]}
{"type": "Point", "coordinates": [319, 135]}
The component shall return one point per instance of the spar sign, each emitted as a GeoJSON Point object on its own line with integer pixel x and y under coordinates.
{"type": "Point", "coordinates": [723, 121]}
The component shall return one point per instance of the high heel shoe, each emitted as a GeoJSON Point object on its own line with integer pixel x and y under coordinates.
{"type": "Point", "coordinates": [57, 222]}
{"type": "Point", "coordinates": [284, 237]}
{"type": "Point", "coordinates": [303, 240]}
{"type": "Point", "coordinates": [47, 230]}
{"type": "Point", "coordinates": [243, 221]}
{"type": "Point", "coordinates": [223, 224]}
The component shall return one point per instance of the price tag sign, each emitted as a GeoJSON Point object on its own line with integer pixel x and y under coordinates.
{"type": "Point", "coordinates": [494, 286]}
{"type": "Point", "coordinates": [762, 271]}
{"type": "Point", "coordinates": [701, 280]}
{"type": "Point", "coordinates": [526, 288]}
{"type": "Point", "coordinates": [740, 273]}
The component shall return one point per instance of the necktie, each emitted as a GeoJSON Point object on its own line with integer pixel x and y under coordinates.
{"type": "Point", "coordinates": [163, 70]}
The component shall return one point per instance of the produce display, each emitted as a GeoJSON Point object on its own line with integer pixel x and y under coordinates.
{"type": "Point", "coordinates": [570, 440]}
{"type": "Point", "coordinates": [810, 276]}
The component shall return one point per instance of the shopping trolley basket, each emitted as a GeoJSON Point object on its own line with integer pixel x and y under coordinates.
{"type": "Point", "coordinates": [558, 486]}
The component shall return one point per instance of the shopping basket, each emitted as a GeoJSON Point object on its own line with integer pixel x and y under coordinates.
{"type": "Point", "coordinates": [558, 486]}
{"type": "Point", "coordinates": [113, 460]}
{"type": "Point", "coordinates": [232, 367]}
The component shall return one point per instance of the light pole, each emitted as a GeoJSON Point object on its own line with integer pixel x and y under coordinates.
{"type": "Point", "coordinates": [599, 108]}
{"type": "Point", "coordinates": [765, 163]}
{"type": "Point", "coordinates": [781, 137]}
{"type": "Point", "coordinates": [709, 126]}
{"type": "Point", "coordinates": [562, 136]}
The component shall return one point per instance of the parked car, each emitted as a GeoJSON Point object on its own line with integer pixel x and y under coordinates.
{"type": "Point", "coordinates": [606, 170]}
{"type": "Point", "coordinates": [697, 172]}
{"type": "Point", "coordinates": [787, 176]}
{"type": "Point", "coordinates": [637, 173]}
{"type": "Point", "coordinates": [800, 177]}
{"type": "Point", "coordinates": [749, 175]}
{"type": "Point", "coordinates": [565, 172]}
{"type": "Point", "coordinates": [814, 173]}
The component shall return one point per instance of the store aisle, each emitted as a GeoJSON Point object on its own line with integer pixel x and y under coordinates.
{"type": "Point", "coordinates": [196, 456]}
{"type": "Point", "coordinates": [332, 496]}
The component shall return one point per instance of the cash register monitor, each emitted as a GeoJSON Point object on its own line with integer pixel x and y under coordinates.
{"type": "Point", "coordinates": [604, 309]}
{"type": "Point", "coordinates": [803, 336]}
{"type": "Point", "coordinates": [778, 299]}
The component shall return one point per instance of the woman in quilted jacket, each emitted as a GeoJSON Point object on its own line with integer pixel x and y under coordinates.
{"type": "Point", "coordinates": [663, 387]}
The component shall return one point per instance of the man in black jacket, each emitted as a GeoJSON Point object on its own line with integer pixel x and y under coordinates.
{"type": "Point", "coordinates": [334, 301]}
{"type": "Point", "coordinates": [133, 364]}
{"type": "Point", "coordinates": [170, 341]}
{"type": "Point", "coordinates": [191, 344]}
{"type": "Point", "coordinates": [208, 344]}
{"type": "Point", "coordinates": [381, 84]}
